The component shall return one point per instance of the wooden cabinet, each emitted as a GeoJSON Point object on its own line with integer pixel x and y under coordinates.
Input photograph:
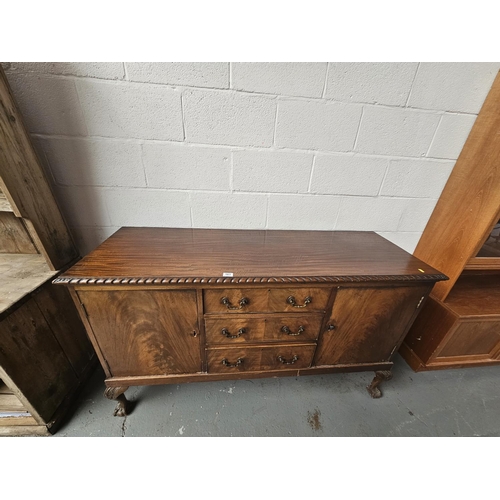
{"type": "Point", "coordinates": [460, 324]}
{"type": "Point", "coordinates": [45, 354]}
{"type": "Point", "coordinates": [164, 305]}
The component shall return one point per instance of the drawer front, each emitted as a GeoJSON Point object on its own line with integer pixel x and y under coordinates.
{"type": "Point", "coordinates": [244, 300]}
{"type": "Point", "coordinates": [245, 359]}
{"type": "Point", "coordinates": [248, 328]}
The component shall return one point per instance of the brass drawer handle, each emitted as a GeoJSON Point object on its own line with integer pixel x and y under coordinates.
{"type": "Point", "coordinates": [239, 362]}
{"type": "Point", "coordinates": [281, 359]}
{"type": "Point", "coordinates": [243, 302]}
{"type": "Point", "coordinates": [291, 301]}
{"type": "Point", "coordinates": [228, 335]}
{"type": "Point", "coordinates": [287, 330]}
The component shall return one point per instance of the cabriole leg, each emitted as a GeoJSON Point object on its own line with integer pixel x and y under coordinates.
{"type": "Point", "coordinates": [380, 376]}
{"type": "Point", "coordinates": [116, 393]}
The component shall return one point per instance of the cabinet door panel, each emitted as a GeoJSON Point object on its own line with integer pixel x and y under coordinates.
{"type": "Point", "coordinates": [145, 332]}
{"type": "Point", "coordinates": [369, 323]}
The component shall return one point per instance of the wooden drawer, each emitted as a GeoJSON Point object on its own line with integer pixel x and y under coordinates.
{"type": "Point", "coordinates": [259, 328]}
{"type": "Point", "coordinates": [243, 300]}
{"type": "Point", "coordinates": [243, 359]}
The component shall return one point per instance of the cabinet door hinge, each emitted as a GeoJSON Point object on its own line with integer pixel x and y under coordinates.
{"type": "Point", "coordinates": [420, 301]}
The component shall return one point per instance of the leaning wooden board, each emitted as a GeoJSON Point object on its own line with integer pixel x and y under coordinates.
{"type": "Point", "coordinates": [165, 305]}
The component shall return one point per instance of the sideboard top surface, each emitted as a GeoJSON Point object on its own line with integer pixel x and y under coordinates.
{"type": "Point", "coordinates": [175, 255]}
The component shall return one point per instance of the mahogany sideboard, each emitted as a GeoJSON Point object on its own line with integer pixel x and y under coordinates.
{"type": "Point", "coordinates": [169, 305]}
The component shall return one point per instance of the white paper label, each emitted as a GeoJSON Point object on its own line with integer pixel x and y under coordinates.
{"type": "Point", "coordinates": [227, 275]}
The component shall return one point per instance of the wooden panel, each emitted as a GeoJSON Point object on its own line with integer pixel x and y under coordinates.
{"type": "Point", "coordinates": [469, 204]}
{"type": "Point", "coordinates": [482, 263]}
{"type": "Point", "coordinates": [9, 402]}
{"type": "Point", "coordinates": [475, 295]}
{"type": "Point", "coordinates": [19, 275]}
{"type": "Point", "coordinates": [22, 173]}
{"type": "Point", "coordinates": [473, 338]}
{"type": "Point", "coordinates": [267, 299]}
{"type": "Point", "coordinates": [260, 358]}
{"type": "Point", "coordinates": [34, 360]}
{"type": "Point", "coordinates": [369, 324]}
{"type": "Point", "coordinates": [24, 430]}
{"type": "Point", "coordinates": [263, 328]}
{"type": "Point", "coordinates": [25, 419]}
{"type": "Point", "coordinates": [428, 331]}
{"type": "Point", "coordinates": [268, 256]}
{"type": "Point", "coordinates": [14, 237]}
{"type": "Point", "coordinates": [4, 389]}
{"type": "Point", "coordinates": [145, 332]}
{"type": "Point", "coordinates": [60, 313]}
{"type": "Point", "coordinates": [4, 203]}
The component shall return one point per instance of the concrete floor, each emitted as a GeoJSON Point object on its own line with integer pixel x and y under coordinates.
{"type": "Point", "coordinates": [441, 403]}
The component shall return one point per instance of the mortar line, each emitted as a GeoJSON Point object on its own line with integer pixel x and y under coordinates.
{"type": "Point", "coordinates": [275, 126]}
{"type": "Point", "coordinates": [143, 167]}
{"type": "Point", "coordinates": [182, 116]}
{"type": "Point", "coordinates": [411, 86]}
{"type": "Point", "coordinates": [125, 71]}
{"type": "Point", "coordinates": [231, 172]}
{"type": "Point", "coordinates": [230, 75]}
{"type": "Point", "coordinates": [81, 109]}
{"type": "Point", "coordinates": [385, 176]}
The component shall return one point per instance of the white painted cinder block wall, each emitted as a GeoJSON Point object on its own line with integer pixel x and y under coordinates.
{"type": "Point", "coordinates": [323, 146]}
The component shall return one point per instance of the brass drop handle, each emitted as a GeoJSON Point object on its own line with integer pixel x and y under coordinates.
{"type": "Point", "coordinates": [228, 335]}
{"type": "Point", "coordinates": [291, 301]}
{"type": "Point", "coordinates": [243, 302]}
{"type": "Point", "coordinates": [287, 330]}
{"type": "Point", "coordinates": [281, 359]}
{"type": "Point", "coordinates": [239, 362]}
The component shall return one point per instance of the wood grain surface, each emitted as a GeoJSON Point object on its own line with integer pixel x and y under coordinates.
{"type": "Point", "coordinates": [145, 332]}
{"type": "Point", "coordinates": [262, 328]}
{"type": "Point", "coordinates": [14, 237]}
{"type": "Point", "coordinates": [469, 205]}
{"type": "Point", "coordinates": [23, 177]}
{"type": "Point", "coordinates": [369, 324]}
{"type": "Point", "coordinates": [258, 358]}
{"type": "Point", "coordinates": [204, 255]}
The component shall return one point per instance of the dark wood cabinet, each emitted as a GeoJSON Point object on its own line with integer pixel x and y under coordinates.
{"type": "Point", "coordinates": [165, 305]}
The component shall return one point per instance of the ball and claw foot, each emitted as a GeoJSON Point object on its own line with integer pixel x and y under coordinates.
{"type": "Point", "coordinates": [116, 393]}
{"type": "Point", "coordinates": [380, 376]}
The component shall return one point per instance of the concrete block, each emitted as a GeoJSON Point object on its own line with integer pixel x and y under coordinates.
{"type": "Point", "coordinates": [229, 211]}
{"type": "Point", "coordinates": [371, 82]}
{"type": "Point", "coordinates": [194, 74]}
{"type": "Point", "coordinates": [359, 213]}
{"type": "Point", "coordinates": [317, 125]}
{"type": "Point", "coordinates": [415, 214]}
{"type": "Point", "coordinates": [350, 175]}
{"type": "Point", "coordinates": [131, 110]}
{"type": "Point", "coordinates": [416, 178]}
{"type": "Point", "coordinates": [398, 132]}
{"type": "Point", "coordinates": [451, 134]}
{"type": "Point", "coordinates": [106, 70]}
{"type": "Point", "coordinates": [174, 166]}
{"type": "Point", "coordinates": [308, 212]}
{"type": "Point", "coordinates": [302, 79]}
{"type": "Point", "coordinates": [405, 240]}
{"type": "Point", "coordinates": [271, 171]}
{"type": "Point", "coordinates": [148, 208]}
{"type": "Point", "coordinates": [229, 118]}
{"type": "Point", "coordinates": [49, 105]}
{"type": "Point", "coordinates": [94, 162]}
{"type": "Point", "coordinates": [83, 206]}
{"type": "Point", "coordinates": [453, 86]}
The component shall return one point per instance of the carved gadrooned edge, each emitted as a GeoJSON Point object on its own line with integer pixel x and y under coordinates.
{"type": "Point", "coordinates": [243, 280]}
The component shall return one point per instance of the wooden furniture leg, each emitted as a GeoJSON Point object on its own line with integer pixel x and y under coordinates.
{"type": "Point", "coordinates": [123, 405]}
{"type": "Point", "coordinates": [380, 376]}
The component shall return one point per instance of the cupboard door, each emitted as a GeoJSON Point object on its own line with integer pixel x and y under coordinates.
{"type": "Point", "coordinates": [144, 332]}
{"type": "Point", "coordinates": [369, 323]}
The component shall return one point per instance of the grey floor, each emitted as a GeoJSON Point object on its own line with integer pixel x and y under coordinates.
{"type": "Point", "coordinates": [463, 402]}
